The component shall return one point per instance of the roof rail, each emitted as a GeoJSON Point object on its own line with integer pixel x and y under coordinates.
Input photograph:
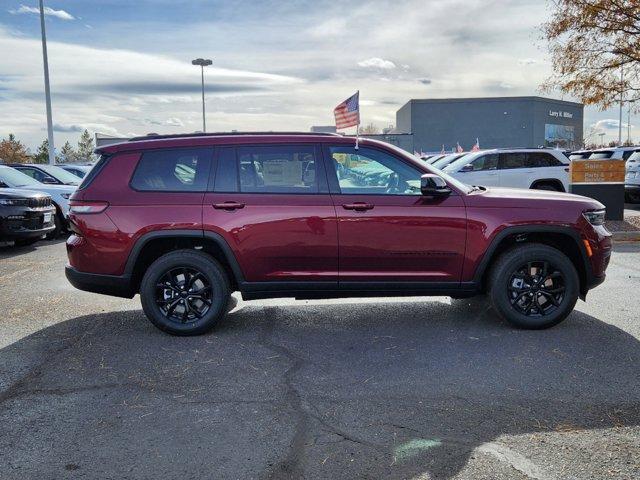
{"type": "Point", "coordinates": [155, 136]}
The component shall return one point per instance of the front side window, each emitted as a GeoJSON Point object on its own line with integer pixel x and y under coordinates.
{"type": "Point", "coordinates": [485, 162]}
{"type": "Point", "coordinates": [179, 170]}
{"type": "Point", "coordinates": [368, 171]}
{"type": "Point", "coordinates": [33, 173]}
{"type": "Point", "coordinates": [277, 169]}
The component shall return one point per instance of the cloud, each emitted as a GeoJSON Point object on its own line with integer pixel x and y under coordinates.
{"type": "Point", "coordinates": [378, 63]}
{"type": "Point", "coordinates": [58, 127]}
{"type": "Point", "coordinates": [61, 14]}
{"type": "Point", "coordinates": [608, 124]}
{"type": "Point", "coordinates": [527, 61]}
{"type": "Point", "coordinates": [174, 122]}
{"type": "Point", "coordinates": [425, 81]}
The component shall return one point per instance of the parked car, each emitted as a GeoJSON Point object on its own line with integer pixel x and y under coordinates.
{"type": "Point", "coordinates": [613, 153]}
{"type": "Point", "coordinates": [540, 169]}
{"type": "Point", "coordinates": [447, 159]}
{"type": "Point", "coordinates": [580, 154]}
{"type": "Point", "coordinates": [78, 170]}
{"type": "Point", "coordinates": [434, 158]}
{"type": "Point", "coordinates": [632, 178]}
{"type": "Point", "coordinates": [252, 218]}
{"type": "Point", "coordinates": [12, 178]}
{"type": "Point", "coordinates": [25, 216]}
{"type": "Point", "coordinates": [50, 174]}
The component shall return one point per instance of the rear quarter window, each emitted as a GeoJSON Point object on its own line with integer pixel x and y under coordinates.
{"type": "Point", "coordinates": [177, 170]}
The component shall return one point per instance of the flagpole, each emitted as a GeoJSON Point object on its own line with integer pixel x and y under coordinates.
{"type": "Point", "coordinates": [357, 134]}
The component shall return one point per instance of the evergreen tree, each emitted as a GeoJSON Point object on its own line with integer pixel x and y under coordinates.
{"type": "Point", "coordinates": [85, 147]}
{"type": "Point", "coordinates": [42, 155]}
{"type": "Point", "coordinates": [67, 154]}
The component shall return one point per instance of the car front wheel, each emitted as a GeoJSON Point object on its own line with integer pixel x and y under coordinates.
{"type": "Point", "coordinates": [534, 286]}
{"type": "Point", "coordinates": [185, 292]}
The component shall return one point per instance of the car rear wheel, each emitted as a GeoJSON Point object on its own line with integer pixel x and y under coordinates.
{"type": "Point", "coordinates": [58, 221]}
{"type": "Point", "coordinates": [185, 292]}
{"type": "Point", "coordinates": [534, 286]}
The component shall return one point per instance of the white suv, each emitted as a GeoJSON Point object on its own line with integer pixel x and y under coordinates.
{"type": "Point", "coordinates": [542, 169]}
{"type": "Point", "coordinates": [613, 153]}
{"type": "Point", "coordinates": [632, 178]}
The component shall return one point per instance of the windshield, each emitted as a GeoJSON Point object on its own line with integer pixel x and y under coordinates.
{"type": "Point", "coordinates": [443, 162]}
{"type": "Point", "coordinates": [61, 174]}
{"type": "Point", "coordinates": [579, 155]}
{"type": "Point", "coordinates": [15, 179]}
{"type": "Point", "coordinates": [463, 187]}
{"type": "Point", "coordinates": [462, 161]}
{"type": "Point", "coordinates": [601, 155]}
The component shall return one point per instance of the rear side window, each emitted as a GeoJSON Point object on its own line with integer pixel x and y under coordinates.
{"type": "Point", "coordinates": [601, 155]}
{"type": "Point", "coordinates": [542, 159]}
{"type": "Point", "coordinates": [179, 170]}
{"type": "Point", "coordinates": [512, 160]}
{"type": "Point", "coordinates": [278, 169]}
{"type": "Point", "coordinates": [485, 162]}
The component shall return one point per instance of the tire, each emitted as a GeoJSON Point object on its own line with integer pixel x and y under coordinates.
{"type": "Point", "coordinates": [173, 271]}
{"type": "Point", "coordinates": [547, 186]}
{"type": "Point", "coordinates": [513, 293]}
{"type": "Point", "coordinates": [58, 222]}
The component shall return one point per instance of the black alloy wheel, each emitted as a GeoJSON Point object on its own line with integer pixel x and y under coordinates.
{"type": "Point", "coordinates": [183, 294]}
{"type": "Point", "coordinates": [536, 289]}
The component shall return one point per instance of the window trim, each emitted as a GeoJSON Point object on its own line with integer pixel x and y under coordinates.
{"type": "Point", "coordinates": [155, 150]}
{"type": "Point", "coordinates": [321, 175]}
{"type": "Point", "coordinates": [334, 183]}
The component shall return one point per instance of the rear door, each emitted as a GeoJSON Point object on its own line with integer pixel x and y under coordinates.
{"type": "Point", "coordinates": [513, 171]}
{"type": "Point", "coordinates": [483, 170]}
{"type": "Point", "coordinates": [271, 204]}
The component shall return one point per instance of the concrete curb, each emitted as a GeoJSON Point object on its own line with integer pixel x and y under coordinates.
{"type": "Point", "coordinates": [628, 236]}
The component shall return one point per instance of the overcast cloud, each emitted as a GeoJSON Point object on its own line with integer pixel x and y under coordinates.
{"type": "Point", "coordinates": [124, 68]}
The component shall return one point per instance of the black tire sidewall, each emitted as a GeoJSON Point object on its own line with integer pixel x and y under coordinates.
{"type": "Point", "coordinates": [514, 259]}
{"type": "Point", "coordinates": [214, 274]}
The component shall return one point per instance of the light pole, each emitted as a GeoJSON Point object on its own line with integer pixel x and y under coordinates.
{"type": "Point", "coordinates": [47, 91]}
{"type": "Point", "coordinates": [621, 104]}
{"type": "Point", "coordinates": [203, 63]}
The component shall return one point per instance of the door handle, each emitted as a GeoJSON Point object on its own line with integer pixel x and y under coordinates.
{"type": "Point", "coordinates": [228, 206]}
{"type": "Point", "coordinates": [357, 206]}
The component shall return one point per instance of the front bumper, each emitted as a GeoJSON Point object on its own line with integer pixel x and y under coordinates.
{"type": "Point", "coordinates": [114, 285]}
{"type": "Point", "coordinates": [26, 224]}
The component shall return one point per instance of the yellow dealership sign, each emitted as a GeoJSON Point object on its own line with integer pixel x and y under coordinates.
{"type": "Point", "coordinates": [597, 171]}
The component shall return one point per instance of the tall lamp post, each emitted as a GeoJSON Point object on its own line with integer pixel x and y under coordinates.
{"type": "Point", "coordinates": [203, 63]}
{"type": "Point", "coordinates": [47, 91]}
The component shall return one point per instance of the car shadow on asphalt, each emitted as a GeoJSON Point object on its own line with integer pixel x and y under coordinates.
{"type": "Point", "coordinates": [345, 390]}
{"type": "Point", "coordinates": [9, 250]}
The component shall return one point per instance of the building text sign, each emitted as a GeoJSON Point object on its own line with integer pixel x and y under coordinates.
{"type": "Point", "coordinates": [559, 114]}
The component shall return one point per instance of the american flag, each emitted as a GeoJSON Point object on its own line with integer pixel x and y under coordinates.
{"type": "Point", "coordinates": [348, 112]}
{"type": "Point", "coordinates": [476, 147]}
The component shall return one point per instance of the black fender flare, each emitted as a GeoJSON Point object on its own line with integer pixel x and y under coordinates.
{"type": "Point", "coordinates": [489, 253]}
{"type": "Point", "coordinates": [211, 236]}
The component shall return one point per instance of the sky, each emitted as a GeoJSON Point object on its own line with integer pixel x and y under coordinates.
{"type": "Point", "coordinates": [123, 67]}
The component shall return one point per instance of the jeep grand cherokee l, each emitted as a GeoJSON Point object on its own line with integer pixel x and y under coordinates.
{"type": "Point", "coordinates": [186, 220]}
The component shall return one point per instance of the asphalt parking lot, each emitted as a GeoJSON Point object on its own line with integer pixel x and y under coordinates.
{"type": "Point", "coordinates": [385, 388]}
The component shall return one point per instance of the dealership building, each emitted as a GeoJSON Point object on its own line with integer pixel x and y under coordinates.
{"type": "Point", "coordinates": [495, 121]}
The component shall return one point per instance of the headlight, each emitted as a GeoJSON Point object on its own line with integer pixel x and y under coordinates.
{"type": "Point", "coordinates": [65, 195]}
{"type": "Point", "coordinates": [594, 217]}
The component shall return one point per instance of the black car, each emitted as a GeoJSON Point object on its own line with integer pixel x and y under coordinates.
{"type": "Point", "coordinates": [25, 216]}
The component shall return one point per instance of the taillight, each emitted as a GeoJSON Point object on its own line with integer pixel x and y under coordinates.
{"type": "Point", "coordinates": [76, 206]}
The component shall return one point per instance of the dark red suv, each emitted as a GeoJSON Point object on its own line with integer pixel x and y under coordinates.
{"type": "Point", "coordinates": [186, 220]}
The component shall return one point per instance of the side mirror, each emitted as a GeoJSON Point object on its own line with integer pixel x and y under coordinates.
{"type": "Point", "coordinates": [433, 186]}
{"type": "Point", "coordinates": [49, 181]}
{"type": "Point", "coordinates": [467, 168]}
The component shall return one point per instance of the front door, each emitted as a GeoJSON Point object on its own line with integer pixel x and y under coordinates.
{"type": "Point", "coordinates": [389, 232]}
{"type": "Point", "coordinates": [272, 206]}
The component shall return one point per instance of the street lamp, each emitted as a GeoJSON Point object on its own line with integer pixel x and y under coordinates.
{"type": "Point", "coordinates": [47, 91]}
{"type": "Point", "coordinates": [203, 63]}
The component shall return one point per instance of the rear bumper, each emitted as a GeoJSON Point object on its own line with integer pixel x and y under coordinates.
{"type": "Point", "coordinates": [114, 285]}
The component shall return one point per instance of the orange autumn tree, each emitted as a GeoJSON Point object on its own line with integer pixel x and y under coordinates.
{"type": "Point", "coordinates": [591, 42]}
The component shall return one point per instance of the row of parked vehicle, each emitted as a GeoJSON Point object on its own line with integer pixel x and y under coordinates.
{"type": "Point", "coordinates": [537, 168]}
{"type": "Point", "coordinates": [34, 200]}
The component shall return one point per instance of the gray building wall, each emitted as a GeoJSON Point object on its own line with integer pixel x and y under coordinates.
{"type": "Point", "coordinates": [496, 122]}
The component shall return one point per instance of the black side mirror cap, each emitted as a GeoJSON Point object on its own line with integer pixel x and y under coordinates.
{"type": "Point", "coordinates": [433, 186]}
